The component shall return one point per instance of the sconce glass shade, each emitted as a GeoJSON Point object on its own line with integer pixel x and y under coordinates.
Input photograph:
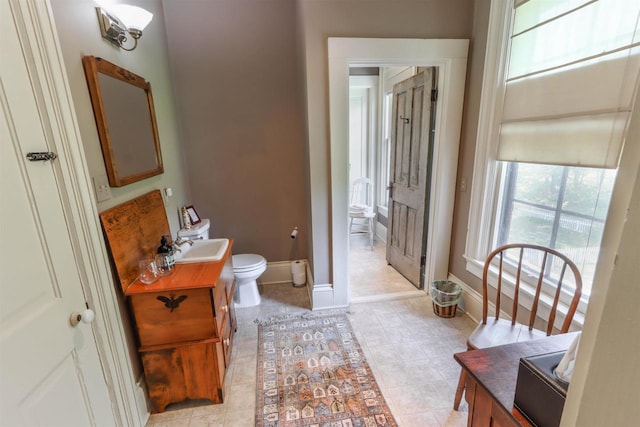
{"type": "Point", "coordinates": [123, 20]}
{"type": "Point", "coordinates": [133, 17]}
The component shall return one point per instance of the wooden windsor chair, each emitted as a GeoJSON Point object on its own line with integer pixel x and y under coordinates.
{"type": "Point", "coordinates": [532, 260]}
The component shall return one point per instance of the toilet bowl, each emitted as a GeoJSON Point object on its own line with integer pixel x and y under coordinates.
{"type": "Point", "coordinates": [246, 269]}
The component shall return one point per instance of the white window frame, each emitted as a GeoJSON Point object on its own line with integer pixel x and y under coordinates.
{"type": "Point", "coordinates": [485, 191]}
{"type": "Point", "coordinates": [367, 87]}
{"type": "Point", "coordinates": [486, 170]}
{"type": "Point", "coordinates": [383, 153]}
{"type": "Point", "coordinates": [389, 76]}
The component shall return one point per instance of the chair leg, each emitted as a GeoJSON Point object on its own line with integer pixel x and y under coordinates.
{"type": "Point", "coordinates": [371, 233]}
{"type": "Point", "coordinates": [460, 389]}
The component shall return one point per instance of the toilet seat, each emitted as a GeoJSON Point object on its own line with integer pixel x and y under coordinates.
{"type": "Point", "coordinates": [247, 262]}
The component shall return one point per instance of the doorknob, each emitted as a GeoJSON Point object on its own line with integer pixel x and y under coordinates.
{"type": "Point", "coordinates": [86, 316]}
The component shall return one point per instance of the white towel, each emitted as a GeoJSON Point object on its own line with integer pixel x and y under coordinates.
{"type": "Point", "coordinates": [358, 208]}
{"type": "Point", "coordinates": [564, 370]}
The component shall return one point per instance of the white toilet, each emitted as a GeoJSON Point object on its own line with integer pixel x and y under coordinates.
{"type": "Point", "coordinates": [246, 267]}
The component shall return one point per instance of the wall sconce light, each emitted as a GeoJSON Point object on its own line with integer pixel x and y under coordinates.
{"type": "Point", "coordinates": [123, 19]}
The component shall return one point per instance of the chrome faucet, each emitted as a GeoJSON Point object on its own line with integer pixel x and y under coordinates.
{"type": "Point", "coordinates": [179, 242]}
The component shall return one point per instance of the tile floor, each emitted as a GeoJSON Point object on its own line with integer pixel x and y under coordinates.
{"type": "Point", "coordinates": [369, 273]}
{"type": "Point", "coordinates": [408, 348]}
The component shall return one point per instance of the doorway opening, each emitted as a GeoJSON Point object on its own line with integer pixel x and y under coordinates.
{"type": "Point", "coordinates": [450, 57]}
{"type": "Point", "coordinates": [373, 131]}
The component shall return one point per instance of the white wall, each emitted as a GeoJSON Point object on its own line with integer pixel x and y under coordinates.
{"type": "Point", "coordinates": [610, 394]}
{"type": "Point", "coordinates": [604, 387]}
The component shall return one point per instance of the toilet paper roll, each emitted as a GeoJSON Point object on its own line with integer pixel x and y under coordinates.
{"type": "Point", "coordinates": [299, 279]}
{"type": "Point", "coordinates": [298, 273]}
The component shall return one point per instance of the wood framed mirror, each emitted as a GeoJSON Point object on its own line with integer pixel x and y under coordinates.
{"type": "Point", "coordinates": [126, 121]}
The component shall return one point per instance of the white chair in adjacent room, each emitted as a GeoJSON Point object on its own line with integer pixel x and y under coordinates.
{"type": "Point", "coordinates": [361, 212]}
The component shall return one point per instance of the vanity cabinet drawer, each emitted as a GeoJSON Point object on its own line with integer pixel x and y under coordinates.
{"type": "Point", "coordinates": [227, 342]}
{"type": "Point", "coordinates": [221, 306]}
{"type": "Point", "coordinates": [172, 317]}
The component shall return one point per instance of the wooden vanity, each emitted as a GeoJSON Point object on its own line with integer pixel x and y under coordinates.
{"type": "Point", "coordinates": [185, 322]}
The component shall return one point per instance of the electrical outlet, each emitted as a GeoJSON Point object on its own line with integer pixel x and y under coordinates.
{"type": "Point", "coordinates": [101, 187]}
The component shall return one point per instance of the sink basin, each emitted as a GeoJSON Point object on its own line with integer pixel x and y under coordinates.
{"type": "Point", "coordinates": [202, 251]}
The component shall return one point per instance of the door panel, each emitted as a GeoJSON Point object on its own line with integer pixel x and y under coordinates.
{"type": "Point", "coordinates": [50, 372]}
{"type": "Point", "coordinates": [410, 138]}
{"type": "Point", "coordinates": [51, 404]}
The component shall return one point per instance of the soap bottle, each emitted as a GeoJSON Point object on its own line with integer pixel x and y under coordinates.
{"type": "Point", "coordinates": [165, 259]}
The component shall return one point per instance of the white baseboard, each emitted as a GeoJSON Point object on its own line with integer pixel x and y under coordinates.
{"type": "Point", "coordinates": [279, 272]}
{"type": "Point", "coordinates": [381, 233]}
{"type": "Point", "coordinates": [322, 297]}
{"type": "Point", "coordinates": [141, 401]}
{"type": "Point", "coordinates": [471, 302]}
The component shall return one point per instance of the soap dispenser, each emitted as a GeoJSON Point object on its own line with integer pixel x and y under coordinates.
{"type": "Point", "coordinates": [165, 259]}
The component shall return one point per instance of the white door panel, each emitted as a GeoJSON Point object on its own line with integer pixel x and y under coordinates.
{"type": "Point", "coordinates": [50, 372]}
{"type": "Point", "coordinates": [53, 394]}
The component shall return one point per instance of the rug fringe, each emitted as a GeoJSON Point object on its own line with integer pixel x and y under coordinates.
{"type": "Point", "coordinates": [301, 316]}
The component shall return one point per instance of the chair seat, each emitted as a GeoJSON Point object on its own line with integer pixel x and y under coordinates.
{"type": "Point", "coordinates": [365, 214]}
{"type": "Point", "coordinates": [499, 332]}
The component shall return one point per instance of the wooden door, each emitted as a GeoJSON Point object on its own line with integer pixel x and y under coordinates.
{"type": "Point", "coordinates": [410, 165]}
{"type": "Point", "coordinates": [50, 371]}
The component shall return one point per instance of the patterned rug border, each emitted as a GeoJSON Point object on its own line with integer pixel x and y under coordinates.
{"type": "Point", "coordinates": [342, 314]}
{"type": "Point", "coordinates": [310, 315]}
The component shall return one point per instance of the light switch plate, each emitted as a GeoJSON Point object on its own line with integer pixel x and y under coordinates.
{"type": "Point", "coordinates": [101, 187]}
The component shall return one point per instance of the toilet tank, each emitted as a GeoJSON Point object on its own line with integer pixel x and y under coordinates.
{"type": "Point", "coordinates": [197, 231]}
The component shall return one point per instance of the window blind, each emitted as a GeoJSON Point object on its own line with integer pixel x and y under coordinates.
{"type": "Point", "coordinates": [571, 80]}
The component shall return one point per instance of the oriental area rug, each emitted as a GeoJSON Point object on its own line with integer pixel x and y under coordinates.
{"type": "Point", "coordinates": [312, 372]}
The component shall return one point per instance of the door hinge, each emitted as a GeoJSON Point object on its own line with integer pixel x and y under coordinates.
{"type": "Point", "coordinates": [434, 95]}
{"type": "Point", "coordinates": [423, 260]}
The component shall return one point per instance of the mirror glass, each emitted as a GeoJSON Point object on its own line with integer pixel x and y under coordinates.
{"type": "Point", "coordinates": [125, 118]}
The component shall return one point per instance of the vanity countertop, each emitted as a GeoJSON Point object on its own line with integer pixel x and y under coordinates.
{"type": "Point", "coordinates": [185, 276]}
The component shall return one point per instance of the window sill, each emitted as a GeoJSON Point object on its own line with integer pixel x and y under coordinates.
{"type": "Point", "coordinates": [476, 268]}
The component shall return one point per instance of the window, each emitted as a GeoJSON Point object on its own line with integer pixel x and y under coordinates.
{"type": "Point", "coordinates": [559, 207]}
{"type": "Point", "coordinates": [385, 151]}
{"type": "Point", "coordinates": [390, 77]}
{"type": "Point", "coordinates": [552, 125]}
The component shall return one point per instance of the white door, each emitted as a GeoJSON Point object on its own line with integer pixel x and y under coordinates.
{"type": "Point", "coordinates": [410, 164]}
{"type": "Point", "coordinates": [50, 372]}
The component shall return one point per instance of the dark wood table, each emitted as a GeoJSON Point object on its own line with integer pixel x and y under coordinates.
{"type": "Point", "coordinates": [491, 379]}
